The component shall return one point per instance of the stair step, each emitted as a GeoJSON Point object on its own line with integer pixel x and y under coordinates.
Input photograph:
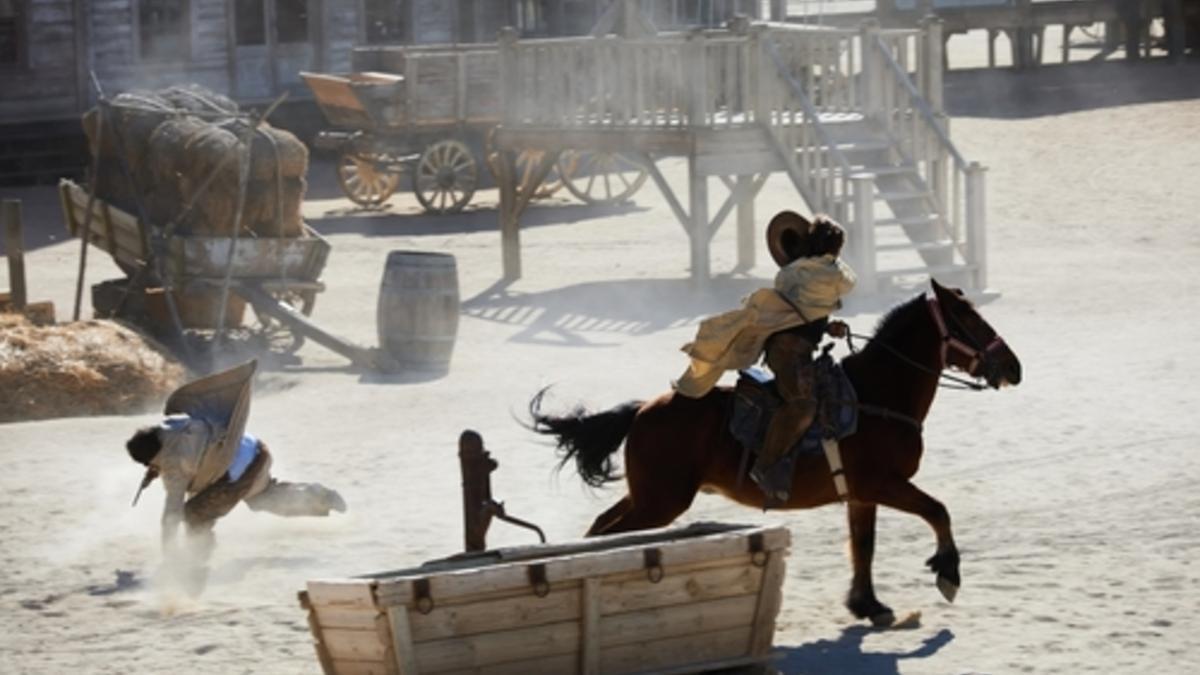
{"type": "Point", "coordinates": [892, 195]}
{"type": "Point", "coordinates": [931, 271]}
{"type": "Point", "coordinates": [939, 245]}
{"type": "Point", "coordinates": [909, 221]}
{"type": "Point", "coordinates": [851, 146]}
{"type": "Point", "coordinates": [876, 170]}
{"type": "Point", "coordinates": [898, 195]}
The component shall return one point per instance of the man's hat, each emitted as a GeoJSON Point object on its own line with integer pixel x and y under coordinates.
{"type": "Point", "coordinates": [787, 237]}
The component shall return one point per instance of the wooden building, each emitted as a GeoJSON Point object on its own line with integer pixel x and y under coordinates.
{"type": "Point", "coordinates": [251, 50]}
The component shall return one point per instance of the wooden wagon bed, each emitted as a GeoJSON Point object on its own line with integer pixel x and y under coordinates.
{"type": "Point", "coordinates": [682, 600]}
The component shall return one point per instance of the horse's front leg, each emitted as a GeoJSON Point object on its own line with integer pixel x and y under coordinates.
{"type": "Point", "coordinates": [861, 600]}
{"type": "Point", "coordinates": [904, 496]}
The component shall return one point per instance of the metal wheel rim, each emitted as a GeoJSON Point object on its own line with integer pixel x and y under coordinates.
{"type": "Point", "coordinates": [362, 182]}
{"type": "Point", "coordinates": [445, 177]}
{"type": "Point", "coordinates": [601, 177]}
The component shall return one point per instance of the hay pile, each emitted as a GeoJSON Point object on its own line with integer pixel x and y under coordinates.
{"type": "Point", "coordinates": [82, 368]}
{"type": "Point", "coordinates": [173, 139]}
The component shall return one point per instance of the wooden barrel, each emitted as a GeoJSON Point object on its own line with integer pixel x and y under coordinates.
{"type": "Point", "coordinates": [417, 315]}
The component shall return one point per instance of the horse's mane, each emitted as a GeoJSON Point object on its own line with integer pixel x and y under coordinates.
{"type": "Point", "coordinates": [898, 318]}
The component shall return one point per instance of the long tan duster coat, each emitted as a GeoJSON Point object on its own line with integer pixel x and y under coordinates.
{"type": "Point", "coordinates": [735, 339]}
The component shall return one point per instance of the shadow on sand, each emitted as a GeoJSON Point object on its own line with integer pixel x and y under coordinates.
{"type": "Point", "coordinates": [380, 222]}
{"type": "Point", "coordinates": [562, 316]}
{"type": "Point", "coordinates": [845, 655]}
{"type": "Point", "coordinates": [1003, 93]}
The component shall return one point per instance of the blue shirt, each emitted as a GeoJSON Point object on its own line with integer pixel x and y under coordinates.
{"type": "Point", "coordinates": [246, 451]}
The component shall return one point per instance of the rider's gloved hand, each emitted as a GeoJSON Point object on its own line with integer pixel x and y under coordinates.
{"type": "Point", "coordinates": [837, 329]}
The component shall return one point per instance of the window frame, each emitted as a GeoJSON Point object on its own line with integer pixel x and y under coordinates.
{"type": "Point", "coordinates": [184, 55]}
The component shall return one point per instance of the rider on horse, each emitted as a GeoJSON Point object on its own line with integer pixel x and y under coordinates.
{"type": "Point", "coordinates": [787, 322]}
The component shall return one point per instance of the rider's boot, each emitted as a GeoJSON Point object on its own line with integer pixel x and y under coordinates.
{"type": "Point", "coordinates": [787, 426]}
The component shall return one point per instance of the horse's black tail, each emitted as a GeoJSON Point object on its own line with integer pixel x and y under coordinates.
{"type": "Point", "coordinates": [589, 439]}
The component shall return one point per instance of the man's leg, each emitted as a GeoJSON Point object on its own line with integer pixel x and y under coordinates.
{"type": "Point", "coordinates": [296, 499]}
{"type": "Point", "coordinates": [789, 358]}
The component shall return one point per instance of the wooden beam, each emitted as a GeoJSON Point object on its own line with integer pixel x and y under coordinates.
{"type": "Point", "coordinates": [589, 651]}
{"type": "Point", "coordinates": [665, 189]}
{"type": "Point", "coordinates": [698, 225]}
{"type": "Point", "coordinates": [14, 248]}
{"type": "Point", "coordinates": [300, 325]}
{"type": "Point", "coordinates": [510, 234]}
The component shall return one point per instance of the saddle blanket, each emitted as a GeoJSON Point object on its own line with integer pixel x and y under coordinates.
{"type": "Point", "coordinates": [755, 401]}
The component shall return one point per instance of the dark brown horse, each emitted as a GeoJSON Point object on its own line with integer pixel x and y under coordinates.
{"type": "Point", "coordinates": [676, 446]}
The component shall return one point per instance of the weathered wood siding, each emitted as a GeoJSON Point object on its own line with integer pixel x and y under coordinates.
{"type": "Point", "coordinates": [205, 61]}
{"type": "Point", "coordinates": [434, 22]}
{"type": "Point", "coordinates": [45, 87]}
{"type": "Point", "coordinates": [343, 30]}
{"type": "Point", "coordinates": [53, 79]}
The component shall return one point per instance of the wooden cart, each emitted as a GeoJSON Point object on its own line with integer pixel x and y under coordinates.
{"type": "Point", "coordinates": [429, 110]}
{"type": "Point", "coordinates": [264, 270]}
{"type": "Point", "coordinates": [692, 599]}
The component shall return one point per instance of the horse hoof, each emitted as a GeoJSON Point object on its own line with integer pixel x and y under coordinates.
{"type": "Point", "coordinates": [948, 588]}
{"type": "Point", "coordinates": [883, 619]}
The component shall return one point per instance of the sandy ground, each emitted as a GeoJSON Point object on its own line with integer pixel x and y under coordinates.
{"type": "Point", "coordinates": [1073, 496]}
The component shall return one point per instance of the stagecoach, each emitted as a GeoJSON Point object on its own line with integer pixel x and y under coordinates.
{"type": "Point", "coordinates": [429, 111]}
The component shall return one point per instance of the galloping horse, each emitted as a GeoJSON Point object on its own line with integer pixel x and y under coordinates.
{"type": "Point", "coordinates": [675, 446]}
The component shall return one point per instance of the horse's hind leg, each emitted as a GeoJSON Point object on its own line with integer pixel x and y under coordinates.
{"type": "Point", "coordinates": [861, 600]}
{"type": "Point", "coordinates": [904, 496]}
{"type": "Point", "coordinates": [653, 501]}
{"type": "Point", "coordinates": [608, 518]}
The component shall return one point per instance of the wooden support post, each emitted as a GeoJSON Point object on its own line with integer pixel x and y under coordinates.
{"type": "Point", "coordinates": [1066, 42]}
{"type": "Point", "coordinates": [698, 231]}
{"type": "Point", "coordinates": [14, 247]}
{"type": "Point", "coordinates": [779, 10]}
{"type": "Point", "coordinates": [503, 160]}
{"type": "Point", "coordinates": [1176, 29]}
{"type": "Point", "coordinates": [862, 236]}
{"type": "Point", "coordinates": [991, 38]}
{"type": "Point", "coordinates": [932, 62]}
{"type": "Point", "coordinates": [872, 70]}
{"type": "Point", "coordinates": [745, 223]}
{"type": "Point", "coordinates": [510, 228]}
{"type": "Point", "coordinates": [697, 64]}
{"type": "Point", "coordinates": [977, 223]}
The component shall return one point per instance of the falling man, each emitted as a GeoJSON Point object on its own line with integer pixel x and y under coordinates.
{"type": "Point", "coordinates": [208, 464]}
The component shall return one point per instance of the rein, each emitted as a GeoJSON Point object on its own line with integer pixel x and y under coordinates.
{"type": "Point", "coordinates": [953, 381]}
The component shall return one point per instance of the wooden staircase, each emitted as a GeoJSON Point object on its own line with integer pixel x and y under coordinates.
{"type": "Point", "coordinates": [870, 151]}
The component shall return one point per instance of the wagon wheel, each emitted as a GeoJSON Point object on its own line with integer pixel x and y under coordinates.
{"type": "Point", "coordinates": [363, 181]}
{"type": "Point", "coordinates": [601, 178]}
{"type": "Point", "coordinates": [275, 336]}
{"type": "Point", "coordinates": [445, 177]}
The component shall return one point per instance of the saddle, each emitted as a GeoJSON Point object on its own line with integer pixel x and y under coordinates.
{"type": "Point", "coordinates": [755, 400]}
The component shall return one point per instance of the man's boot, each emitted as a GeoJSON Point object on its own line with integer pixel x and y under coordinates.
{"type": "Point", "coordinates": [787, 426]}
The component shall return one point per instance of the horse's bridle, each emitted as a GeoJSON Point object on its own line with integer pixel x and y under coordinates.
{"type": "Point", "coordinates": [972, 352]}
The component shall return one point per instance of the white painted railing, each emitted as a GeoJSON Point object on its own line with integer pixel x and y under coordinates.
{"type": "Point", "coordinates": [911, 114]}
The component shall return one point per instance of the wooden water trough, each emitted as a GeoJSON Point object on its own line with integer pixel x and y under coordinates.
{"type": "Point", "coordinates": [693, 599]}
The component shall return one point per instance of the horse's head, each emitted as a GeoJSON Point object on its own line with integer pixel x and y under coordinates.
{"type": "Point", "coordinates": [969, 343]}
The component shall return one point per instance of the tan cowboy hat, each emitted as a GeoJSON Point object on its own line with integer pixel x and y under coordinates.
{"type": "Point", "coordinates": [786, 236]}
